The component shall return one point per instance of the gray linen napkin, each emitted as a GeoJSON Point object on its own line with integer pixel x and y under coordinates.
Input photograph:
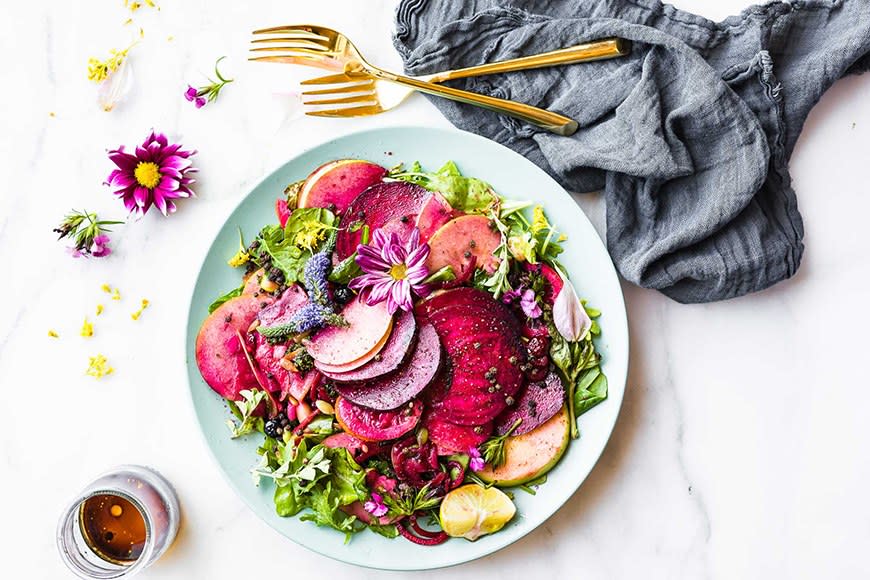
{"type": "Point", "coordinates": [689, 136]}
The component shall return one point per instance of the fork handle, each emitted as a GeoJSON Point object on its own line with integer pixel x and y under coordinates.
{"type": "Point", "coordinates": [553, 122]}
{"type": "Point", "coordinates": [590, 51]}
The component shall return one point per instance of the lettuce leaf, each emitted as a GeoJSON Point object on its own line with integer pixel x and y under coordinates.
{"type": "Point", "coordinates": [467, 194]}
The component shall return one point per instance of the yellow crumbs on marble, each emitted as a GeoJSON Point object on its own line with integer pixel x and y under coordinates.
{"type": "Point", "coordinates": [53, 334]}
{"type": "Point", "coordinates": [98, 367]}
{"type": "Point", "coordinates": [99, 309]}
{"type": "Point", "coordinates": [138, 313]}
{"type": "Point", "coordinates": [87, 329]}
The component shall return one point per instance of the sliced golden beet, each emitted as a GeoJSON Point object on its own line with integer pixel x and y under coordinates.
{"type": "Point", "coordinates": [532, 454]}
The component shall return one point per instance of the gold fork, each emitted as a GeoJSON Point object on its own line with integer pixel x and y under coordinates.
{"type": "Point", "coordinates": [371, 90]}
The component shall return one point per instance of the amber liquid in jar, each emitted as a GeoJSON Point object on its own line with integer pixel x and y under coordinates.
{"type": "Point", "coordinates": [113, 528]}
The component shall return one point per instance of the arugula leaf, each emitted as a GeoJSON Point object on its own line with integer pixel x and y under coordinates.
{"type": "Point", "coordinates": [467, 194]}
{"type": "Point", "coordinates": [284, 255]}
{"type": "Point", "coordinates": [235, 292]}
{"type": "Point", "coordinates": [244, 412]}
{"type": "Point", "coordinates": [492, 450]}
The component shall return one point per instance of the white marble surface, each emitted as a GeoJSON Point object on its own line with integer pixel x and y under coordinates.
{"type": "Point", "coordinates": [741, 451]}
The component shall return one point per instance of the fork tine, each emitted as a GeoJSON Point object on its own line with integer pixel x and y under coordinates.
{"type": "Point", "coordinates": [321, 62]}
{"type": "Point", "coordinates": [306, 49]}
{"type": "Point", "coordinates": [293, 41]}
{"type": "Point", "coordinates": [367, 86]}
{"type": "Point", "coordinates": [330, 80]}
{"type": "Point", "coordinates": [298, 30]}
{"type": "Point", "coordinates": [354, 99]}
{"type": "Point", "coordinates": [348, 112]}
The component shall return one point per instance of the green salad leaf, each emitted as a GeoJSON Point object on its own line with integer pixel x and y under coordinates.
{"type": "Point", "coordinates": [467, 194]}
{"type": "Point", "coordinates": [320, 479]}
{"type": "Point", "coordinates": [244, 412]}
{"type": "Point", "coordinates": [235, 292]}
{"type": "Point", "coordinates": [579, 364]}
{"type": "Point", "coordinates": [289, 248]}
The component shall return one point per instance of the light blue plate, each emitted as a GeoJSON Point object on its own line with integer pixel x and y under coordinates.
{"type": "Point", "coordinates": [586, 261]}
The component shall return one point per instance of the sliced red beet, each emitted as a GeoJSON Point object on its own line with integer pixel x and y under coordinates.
{"type": "Point", "coordinates": [451, 438]}
{"type": "Point", "coordinates": [455, 297]}
{"type": "Point", "coordinates": [485, 352]}
{"type": "Point", "coordinates": [536, 405]}
{"type": "Point", "coordinates": [396, 351]}
{"type": "Point", "coordinates": [370, 425]}
{"type": "Point", "coordinates": [394, 390]}
{"type": "Point", "coordinates": [397, 201]}
{"type": "Point", "coordinates": [551, 276]}
{"type": "Point", "coordinates": [280, 312]}
{"type": "Point", "coordinates": [220, 355]}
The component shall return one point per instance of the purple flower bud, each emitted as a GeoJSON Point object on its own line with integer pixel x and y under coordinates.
{"type": "Point", "coordinates": [190, 93]}
{"type": "Point", "coordinates": [200, 102]}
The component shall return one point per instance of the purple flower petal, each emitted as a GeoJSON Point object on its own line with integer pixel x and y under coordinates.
{"type": "Point", "coordinates": [200, 102]}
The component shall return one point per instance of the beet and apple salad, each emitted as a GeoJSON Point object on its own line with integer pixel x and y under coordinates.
{"type": "Point", "coordinates": [407, 344]}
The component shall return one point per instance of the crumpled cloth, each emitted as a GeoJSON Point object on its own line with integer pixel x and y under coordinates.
{"type": "Point", "coordinates": [689, 136]}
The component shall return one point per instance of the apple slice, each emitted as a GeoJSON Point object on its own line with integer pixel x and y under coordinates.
{"type": "Point", "coordinates": [337, 183]}
{"type": "Point", "coordinates": [460, 239]}
{"type": "Point", "coordinates": [344, 348]}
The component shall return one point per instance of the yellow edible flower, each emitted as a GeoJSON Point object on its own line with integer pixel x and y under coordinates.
{"type": "Point", "coordinates": [116, 294]}
{"type": "Point", "coordinates": [539, 220]}
{"type": "Point", "coordinates": [99, 70]}
{"type": "Point", "coordinates": [98, 367]}
{"type": "Point", "coordinates": [106, 288]}
{"type": "Point", "coordinates": [311, 234]}
{"type": "Point", "coordinates": [138, 313]}
{"type": "Point", "coordinates": [240, 259]}
{"type": "Point", "coordinates": [53, 334]}
{"type": "Point", "coordinates": [99, 309]}
{"type": "Point", "coordinates": [87, 329]}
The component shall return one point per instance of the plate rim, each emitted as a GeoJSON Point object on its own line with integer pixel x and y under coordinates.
{"type": "Point", "coordinates": [249, 191]}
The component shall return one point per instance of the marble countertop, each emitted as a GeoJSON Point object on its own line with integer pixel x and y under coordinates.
{"type": "Point", "coordinates": [741, 450]}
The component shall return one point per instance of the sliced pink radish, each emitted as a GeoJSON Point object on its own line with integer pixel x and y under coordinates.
{"type": "Point", "coordinates": [344, 348]}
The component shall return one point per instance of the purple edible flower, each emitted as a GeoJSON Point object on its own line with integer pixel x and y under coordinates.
{"type": "Point", "coordinates": [100, 246]}
{"type": "Point", "coordinates": [529, 304]}
{"type": "Point", "coordinates": [157, 174]}
{"type": "Point", "coordinates": [207, 93]}
{"type": "Point", "coordinates": [315, 273]}
{"type": "Point", "coordinates": [476, 463]}
{"type": "Point", "coordinates": [376, 506]}
{"type": "Point", "coordinates": [511, 295]}
{"type": "Point", "coordinates": [393, 270]}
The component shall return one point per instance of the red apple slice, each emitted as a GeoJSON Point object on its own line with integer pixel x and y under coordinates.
{"type": "Point", "coordinates": [337, 183]}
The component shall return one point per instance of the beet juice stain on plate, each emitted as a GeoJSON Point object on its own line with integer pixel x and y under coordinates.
{"type": "Point", "coordinates": [119, 524]}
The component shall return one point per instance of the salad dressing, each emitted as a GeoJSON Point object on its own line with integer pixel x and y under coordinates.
{"type": "Point", "coordinates": [113, 528]}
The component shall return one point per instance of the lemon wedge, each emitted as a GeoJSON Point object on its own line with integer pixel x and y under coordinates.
{"type": "Point", "coordinates": [472, 511]}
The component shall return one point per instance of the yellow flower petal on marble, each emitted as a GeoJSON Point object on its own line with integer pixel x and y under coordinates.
{"type": "Point", "coordinates": [98, 367]}
{"type": "Point", "coordinates": [53, 334]}
{"type": "Point", "coordinates": [116, 294]}
{"type": "Point", "coordinates": [87, 329]}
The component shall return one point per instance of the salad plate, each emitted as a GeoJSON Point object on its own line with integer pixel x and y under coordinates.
{"type": "Point", "coordinates": [358, 400]}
